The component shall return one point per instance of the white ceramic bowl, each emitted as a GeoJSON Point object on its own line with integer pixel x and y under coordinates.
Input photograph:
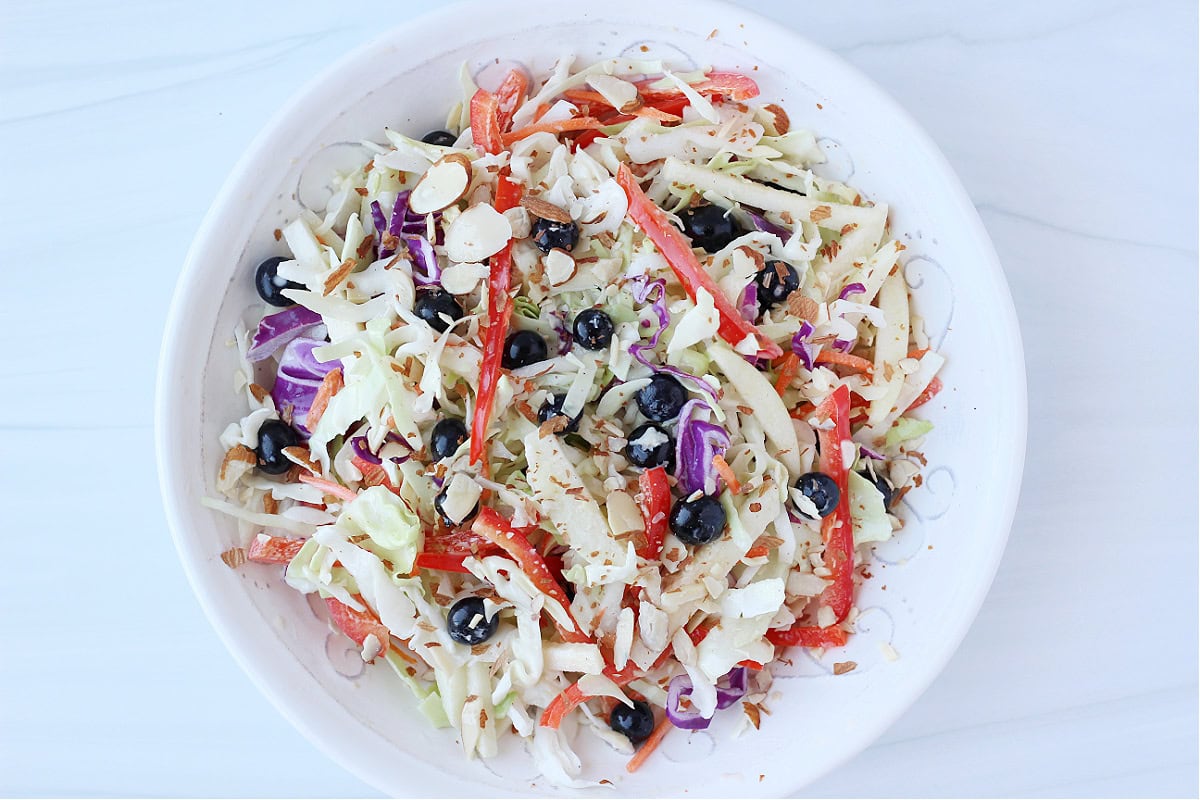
{"type": "Point", "coordinates": [936, 571]}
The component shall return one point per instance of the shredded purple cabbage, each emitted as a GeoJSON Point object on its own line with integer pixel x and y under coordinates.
{"type": "Point", "coordinates": [641, 292]}
{"type": "Point", "coordinates": [851, 288]}
{"type": "Point", "coordinates": [276, 330]}
{"type": "Point", "coordinates": [565, 338]}
{"type": "Point", "coordinates": [842, 345]}
{"type": "Point", "coordinates": [696, 443]}
{"type": "Point", "coordinates": [299, 378]}
{"type": "Point", "coordinates": [426, 271]}
{"type": "Point", "coordinates": [363, 450]}
{"type": "Point", "coordinates": [379, 220]}
{"type": "Point", "coordinates": [749, 304]}
{"type": "Point", "coordinates": [869, 453]}
{"type": "Point", "coordinates": [399, 215]}
{"type": "Point", "coordinates": [766, 226]}
{"type": "Point", "coordinates": [730, 689]}
{"type": "Point", "coordinates": [801, 346]}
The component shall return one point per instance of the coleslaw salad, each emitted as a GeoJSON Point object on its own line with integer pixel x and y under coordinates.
{"type": "Point", "coordinates": [822, 382]}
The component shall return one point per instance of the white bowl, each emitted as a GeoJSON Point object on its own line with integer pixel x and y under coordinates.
{"type": "Point", "coordinates": [936, 572]}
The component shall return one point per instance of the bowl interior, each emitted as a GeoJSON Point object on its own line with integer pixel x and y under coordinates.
{"type": "Point", "coordinates": [928, 582]}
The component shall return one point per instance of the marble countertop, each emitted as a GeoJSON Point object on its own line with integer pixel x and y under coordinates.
{"type": "Point", "coordinates": [1073, 126]}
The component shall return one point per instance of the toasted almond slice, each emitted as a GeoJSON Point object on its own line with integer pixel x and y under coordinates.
{"type": "Point", "coordinates": [443, 184]}
{"type": "Point", "coordinates": [546, 210]}
{"type": "Point", "coordinates": [560, 267]}
{"type": "Point", "coordinates": [477, 233]}
{"type": "Point", "coordinates": [619, 93]}
{"type": "Point", "coordinates": [463, 278]}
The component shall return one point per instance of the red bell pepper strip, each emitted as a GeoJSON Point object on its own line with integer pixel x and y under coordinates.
{"type": "Point", "coordinates": [497, 530]}
{"type": "Point", "coordinates": [509, 97]}
{"type": "Point", "coordinates": [500, 307]}
{"type": "Point", "coordinates": [807, 636]}
{"type": "Point", "coordinates": [485, 122]}
{"type": "Point", "coordinates": [442, 562]}
{"type": "Point", "coordinates": [733, 85]}
{"type": "Point", "coordinates": [572, 697]}
{"type": "Point", "coordinates": [677, 250]}
{"type": "Point", "coordinates": [656, 508]}
{"type": "Point", "coordinates": [837, 531]}
{"type": "Point", "coordinates": [358, 625]}
{"type": "Point", "coordinates": [266, 549]}
{"type": "Point", "coordinates": [924, 397]}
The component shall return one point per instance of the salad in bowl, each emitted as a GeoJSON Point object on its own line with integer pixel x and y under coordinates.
{"type": "Point", "coordinates": [580, 412]}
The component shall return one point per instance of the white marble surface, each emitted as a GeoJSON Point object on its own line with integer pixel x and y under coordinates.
{"type": "Point", "coordinates": [1073, 125]}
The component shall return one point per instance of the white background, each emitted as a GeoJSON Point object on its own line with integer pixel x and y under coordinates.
{"type": "Point", "coordinates": [1073, 126]}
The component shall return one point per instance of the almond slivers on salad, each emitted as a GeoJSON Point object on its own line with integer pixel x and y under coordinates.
{"type": "Point", "coordinates": [579, 413]}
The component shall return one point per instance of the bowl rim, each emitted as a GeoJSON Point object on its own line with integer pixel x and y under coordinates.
{"type": "Point", "coordinates": [170, 395]}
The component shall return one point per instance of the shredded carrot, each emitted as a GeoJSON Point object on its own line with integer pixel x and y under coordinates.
{"type": "Point", "coordinates": [562, 126]}
{"type": "Point", "coordinates": [856, 363]}
{"type": "Point", "coordinates": [403, 654]}
{"type": "Point", "coordinates": [329, 487]}
{"type": "Point", "coordinates": [917, 352]}
{"type": "Point", "coordinates": [588, 96]}
{"type": "Point", "coordinates": [649, 746]}
{"type": "Point", "coordinates": [541, 111]}
{"type": "Point", "coordinates": [788, 371]}
{"type": "Point", "coordinates": [758, 551]}
{"type": "Point", "coordinates": [726, 472]}
{"type": "Point", "coordinates": [656, 113]}
{"type": "Point", "coordinates": [924, 397]}
{"type": "Point", "coordinates": [803, 411]}
{"type": "Point", "coordinates": [331, 385]}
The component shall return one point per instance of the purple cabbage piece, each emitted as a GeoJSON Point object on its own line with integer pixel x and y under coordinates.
{"type": "Point", "coordinates": [641, 293]}
{"type": "Point", "coordinates": [749, 304]}
{"type": "Point", "coordinates": [276, 330]}
{"type": "Point", "coordinates": [299, 378]}
{"type": "Point", "coordinates": [766, 226]}
{"type": "Point", "coordinates": [399, 214]}
{"type": "Point", "coordinates": [801, 346]}
{"type": "Point", "coordinates": [378, 218]}
{"type": "Point", "coordinates": [842, 345]}
{"type": "Point", "coordinates": [426, 271]}
{"type": "Point", "coordinates": [363, 450]}
{"type": "Point", "coordinates": [730, 689]}
{"type": "Point", "coordinates": [696, 443]}
{"type": "Point", "coordinates": [565, 338]}
{"type": "Point", "coordinates": [851, 288]}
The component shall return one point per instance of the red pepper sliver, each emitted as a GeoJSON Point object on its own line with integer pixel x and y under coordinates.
{"type": "Point", "coordinates": [443, 562]}
{"type": "Point", "coordinates": [656, 508]}
{"type": "Point", "coordinates": [497, 530]}
{"type": "Point", "coordinates": [500, 306]}
{"type": "Point", "coordinates": [358, 625]}
{"type": "Point", "coordinates": [924, 397]}
{"type": "Point", "coordinates": [677, 250]}
{"type": "Point", "coordinates": [807, 636]}
{"type": "Point", "coordinates": [509, 97]}
{"type": "Point", "coordinates": [837, 531]}
{"type": "Point", "coordinates": [485, 122]}
{"type": "Point", "coordinates": [266, 549]}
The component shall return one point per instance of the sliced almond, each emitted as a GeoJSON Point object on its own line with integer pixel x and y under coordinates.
{"type": "Point", "coordinates": [477, 233]}
{"type": "Point", "coordinates": [782, 123]}
{"type": "Point", "coordinates": [443, 184]}
{"type": "Point", "coordinates": [560, 267]}
{"type": "Point", "coordinates": [546, 210]}
{"type": "Point", "coordinates": [619, 93]}
{"type": "Point", "coordinates": [463, 278]}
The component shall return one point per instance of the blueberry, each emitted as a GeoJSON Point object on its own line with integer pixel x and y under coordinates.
{"type": "Point", "coordinates": [442, 138]}
{"type": "Point", "coordinates": [447, 436]}
{"type": "Point", "coordinates": [593, 329]}
{"type": "Point", "coordinates": [637, 723]}
{"type": "Point", "coordinates": [708, 227]}
{"type": "Point", "coordinates": [467, 624]}
{"type": "Point", "coordinates": [522, 349]}
{"type": "Point", "coordinates": [698, 521]}
{"type": "Point", "coordinates": [434, 304]}
{"type": "Point", "coordinates": [440, 500]}
{"type": "Point", "coordinates": [553, 408]}
{"type": "Point", "coordinates": [882, 484]}
{"type": "Point", "coordinates": [651, 446]}
{"type": "Point", "coordinates": [273, 437]}
{"type": "Point", "coordinates": [548, 234]}
{"type": "Point", "coordinates": [822, 490]}
{"type": "Point", "coordinates": [775, 281]}
{"type": "Point", "coordinates": [269, 284]}
{"type": "Point", "coordinates": [662, 399]}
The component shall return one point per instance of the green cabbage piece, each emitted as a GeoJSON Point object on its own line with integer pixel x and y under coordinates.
{"type": "Point", "coordinates": [394, 530]}
{"type": "Point", "coordinates": [867, 512]}
{"type": "Point", "coordinates": [906, 429]}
